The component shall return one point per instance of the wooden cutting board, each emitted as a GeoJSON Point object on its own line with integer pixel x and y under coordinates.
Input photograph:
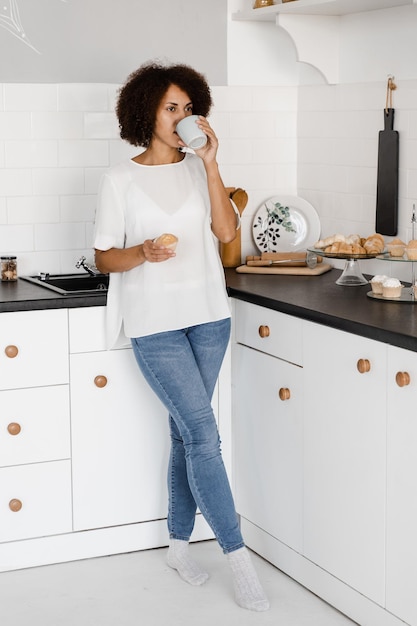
{"type": "Point", "coordinates": [321, 268]}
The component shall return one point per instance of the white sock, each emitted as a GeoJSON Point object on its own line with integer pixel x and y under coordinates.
{"type": "Point", "coordinates": [179, 558]}
{"type": "Point", "coordinates": [248, 590]}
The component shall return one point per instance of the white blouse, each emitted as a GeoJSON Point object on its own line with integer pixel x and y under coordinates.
{"type": "Point", "coordinates": [138, 202]}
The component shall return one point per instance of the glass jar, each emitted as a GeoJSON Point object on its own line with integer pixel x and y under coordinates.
{"type": "Point", "coordinates": [8, 268]}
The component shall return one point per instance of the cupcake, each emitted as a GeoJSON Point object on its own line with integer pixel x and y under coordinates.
{"type": "Point", "coordinates": [391, 288]}
{"type": "Point", "coordinates": [396, 247]}
{"type": "Point", "coordinates": [411, 250]}
{"type": "Point", "coordinates": [376, 284]}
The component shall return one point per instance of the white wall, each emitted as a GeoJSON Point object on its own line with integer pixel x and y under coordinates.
{"type": "Point", "coordinates": [57, 140]}
{"type": "Point", "coordinates": [317, 140]}
{"type": "Point", "coordinates": [97, 41]}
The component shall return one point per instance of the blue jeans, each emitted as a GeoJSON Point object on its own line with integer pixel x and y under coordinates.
{"type": "Point", "coordinates": [182, 367]}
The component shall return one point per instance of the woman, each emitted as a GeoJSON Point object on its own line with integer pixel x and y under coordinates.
{"type": "Point", "coordinates": [173, 304]}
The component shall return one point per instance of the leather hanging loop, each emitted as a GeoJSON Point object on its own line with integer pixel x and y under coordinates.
{"type": "Point", "coordinates": [391, 86]}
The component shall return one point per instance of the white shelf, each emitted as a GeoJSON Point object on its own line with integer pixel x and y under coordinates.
{"type": "Point", "coordinates": [317, 7]}
{"type": "Point", "coordinates": [310, 21]}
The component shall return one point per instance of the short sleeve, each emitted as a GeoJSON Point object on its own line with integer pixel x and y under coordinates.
{"type": "Point", "coordinates": [109, 228]}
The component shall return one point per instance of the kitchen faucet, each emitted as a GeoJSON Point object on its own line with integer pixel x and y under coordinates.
{"type": "Point", "coordinates": [91, 269]}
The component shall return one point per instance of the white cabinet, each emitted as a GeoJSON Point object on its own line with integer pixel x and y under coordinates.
{"type": "Point", "coordinates": [33, 349]}
{"type": "Point", "coordinates": [344, 457]}
{"type": "Point", "coordinates": [34, 425]}
{"type": "Point", "coordinates": [35, 500]}
{"type": "Point", "coordinates": [402, 484]}
{"type": "Point", "coordinates": [120, 439]}
{"type": "Point", "coordinates": [120, 442]}
{"type": "Point", "coordinates": [119, 432]}
{"type": "Point", "coordinates": [35, 470]}
{"type": "Point", "coordinates": [267, 422]}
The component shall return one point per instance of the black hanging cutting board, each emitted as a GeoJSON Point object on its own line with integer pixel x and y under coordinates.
{"type": "Point", "coordinates": [387, 179]}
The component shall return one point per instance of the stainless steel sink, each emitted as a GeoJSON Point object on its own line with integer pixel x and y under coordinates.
{"type": "Point", "coordinates": [72, 284]}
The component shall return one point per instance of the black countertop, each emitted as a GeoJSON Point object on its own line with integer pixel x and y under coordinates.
{"type": "Point", "coordinates": [314, 298]}
{"type": "Point", "coordinates": [319, 299]}
{"type": "Point", "coordinates": [21, 295]}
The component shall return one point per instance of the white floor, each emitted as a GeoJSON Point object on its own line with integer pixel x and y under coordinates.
{"type": "Point", "coordinates": [139, 589]}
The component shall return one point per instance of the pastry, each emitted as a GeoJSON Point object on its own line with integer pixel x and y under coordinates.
{"type": "Point", "coordinates": [396, 247]}
{"type": "Point", "coordinates": [167, 240]}
{"type": "Point", "coordinates": [376, 283]}
{"type": "Point", "coordinates": [374, 244]}
{"type": "Point", "coordinates": [411, 250]}
{"type": "Point", "coordinates": [391, 288]}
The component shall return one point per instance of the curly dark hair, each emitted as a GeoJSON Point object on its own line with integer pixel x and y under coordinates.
{"type": "Point", "coordinates": [143, 91]}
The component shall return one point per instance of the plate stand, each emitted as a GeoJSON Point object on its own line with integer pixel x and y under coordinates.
{"type": "Point", "coordinates": [351, 275]}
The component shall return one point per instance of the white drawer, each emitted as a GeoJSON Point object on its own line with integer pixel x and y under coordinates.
{"type": "Point", "coordinates": [33, 348]}
{"type": "Point", "coordinates": [43, 493]}
{"type": "Point", "coordinates": [270, 331]}
{"type": "Point", "coordinates": [34, 425]}
{"type": "Point", "coordinates": [87, 329]}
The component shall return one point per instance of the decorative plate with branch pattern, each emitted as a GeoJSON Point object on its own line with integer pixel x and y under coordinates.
{"type": "Point", "coordinates": [285, 224]}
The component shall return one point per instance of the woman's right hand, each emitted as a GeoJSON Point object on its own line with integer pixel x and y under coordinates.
{"type": "Point", "coordinates": [125, 259]}
{"type": "Point", "coordinates": [154, 253]}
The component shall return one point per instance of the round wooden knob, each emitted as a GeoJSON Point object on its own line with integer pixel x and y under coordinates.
{"type": "Point", "coordinates": [284, 393]}
{"type": "Point", "coordinates": [100, 381]}
{"type": "Point", "coordinates": [402, 379]}
{"type": "Point", "coordinates": [11, 351]}
{"type": "Point", "coordinates": [363, 366]}
{"type": "Point", "coordinates": [15, 505]}
{"type": "Point", "coordinates": [263, 331]}
{"type": "Point", "coordinates": [14, 428]}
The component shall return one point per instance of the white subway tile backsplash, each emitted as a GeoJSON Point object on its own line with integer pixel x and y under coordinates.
{"type": "Point", "coordinates": [30, 97]}
{"type": "Point", "coordinates": [318, 141]}
{"type": "Point", "coordinates": [3, 211]}
{"type": "Point", "coordinates": [101, 126]}
{"type": "Point", "coordinates": [275, 150]}
{"type": "Point", "coordinates": [57, 125]}
{"type": "Point", "coordinates": [14, 125]}
{"type": "Point", "coordinates": [64, 236]}
{"type": "Point", "coordinates": [281, 99]}
{"type": "Point", "coordinates": [14, 238]}
{"type": "Point", "coordinates": [83, 153]}
{"type": "Point", "coordinates": [58, 181]}
{"type": "Point", "coordinates": [235, 151]}
{"type": "Point", "coordinates": [33, 209]}
{"type": "Point", "coordinates": [15, 182]}
{"type": "Point", "coordinates": [83, 97]}
{"type": "Point", "coordinates": [252, 125]}
{"type": "Point", "coordinates": [233, 98]}
{"type": "Point", "coordinates": [78, 208]}
{"type": "Point", "coordinates": [92, 179]}
{"type": "Point", "coordinates": [121, 150]}
{"type": "Point", "coordinates": [31, 153]}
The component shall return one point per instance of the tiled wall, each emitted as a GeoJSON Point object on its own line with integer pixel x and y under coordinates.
{"type": "Point", "coordinates": [338, 130]}
{"type": "Point", "coordinates": [56, 141]}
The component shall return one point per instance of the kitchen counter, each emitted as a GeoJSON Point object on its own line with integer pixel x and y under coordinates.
{"type": "Point", "coordinates": [314, 298]}
{"type": "Point", "coordinates": [24, 296]}
{"type": "Point", "coordinates": [319, 299]}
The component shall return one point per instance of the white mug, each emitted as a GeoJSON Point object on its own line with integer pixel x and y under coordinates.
{"type": "Point", "coordinates": [190, 133]}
